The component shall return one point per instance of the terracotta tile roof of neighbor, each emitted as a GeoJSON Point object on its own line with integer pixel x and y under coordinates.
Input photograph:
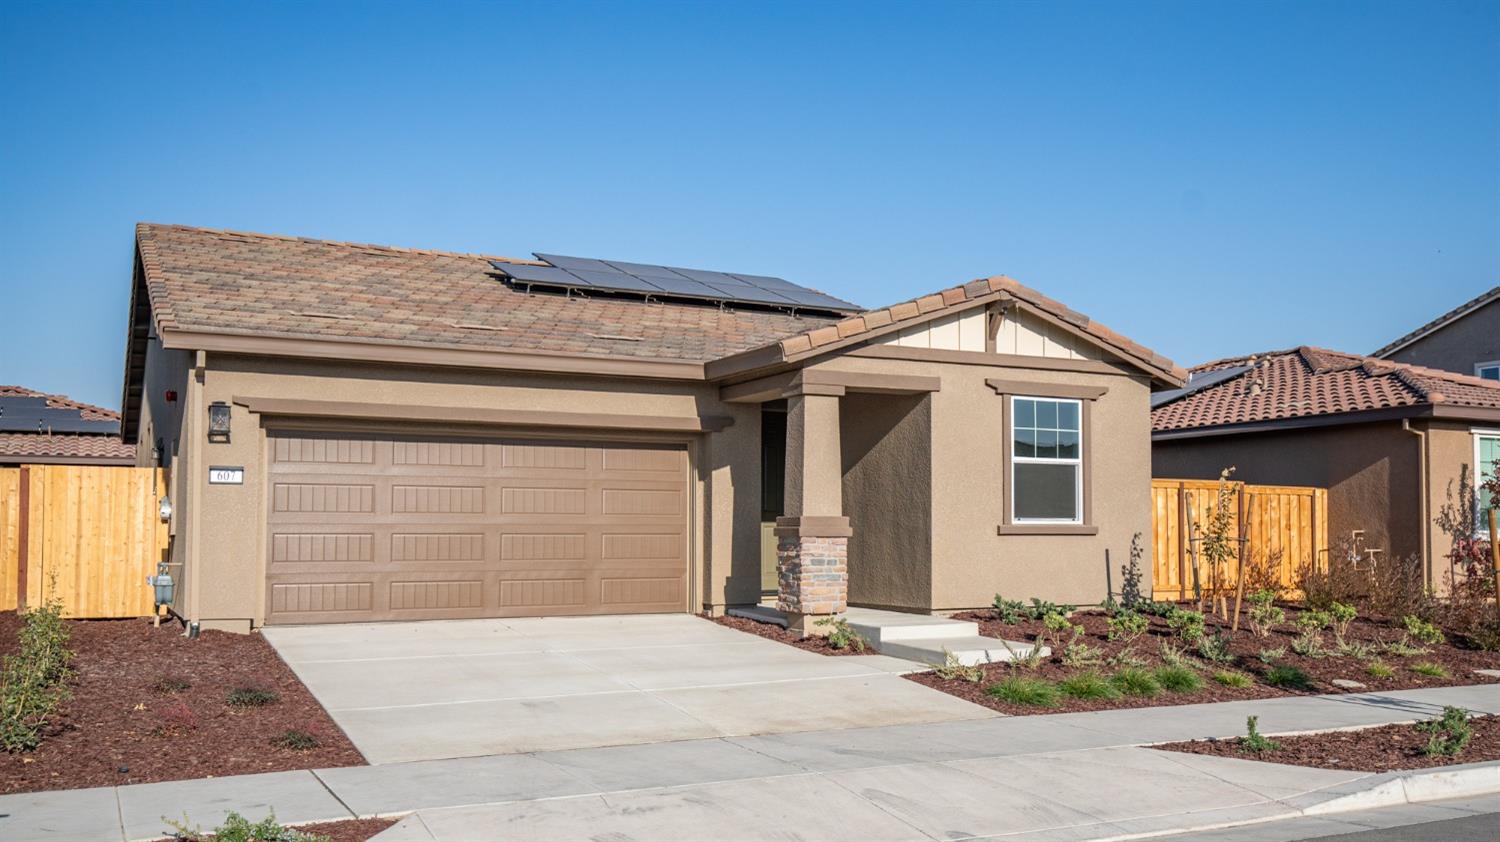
{"type": "Point", "coordinates": [208, 280]}
{"type": "Point", "coordinates": [19, 447]}
{"type": "Point", "coordinates": [1307, 382]}
{"type": "Point", "coordinates": [1461, 310]}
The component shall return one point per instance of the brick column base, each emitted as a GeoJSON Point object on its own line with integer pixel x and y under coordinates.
{"type": "Point", "coordinates": [812, 571]}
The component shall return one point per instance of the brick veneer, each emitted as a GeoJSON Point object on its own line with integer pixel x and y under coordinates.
{"type": "Point", "coordinates": [812, 575]}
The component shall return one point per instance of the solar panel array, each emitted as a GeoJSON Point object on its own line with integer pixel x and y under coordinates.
{"type": "Point", "coordinates": [617, 276]}
{"type": "Point", "coordinates": [32, 415]}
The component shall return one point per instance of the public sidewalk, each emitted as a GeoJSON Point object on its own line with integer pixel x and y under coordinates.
{"type": "Point", "coordinates": [1065, 776]}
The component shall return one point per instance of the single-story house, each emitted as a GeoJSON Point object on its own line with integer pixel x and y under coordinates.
{"type": "Point", "coordinates": [1465, 340]}
{"type": "Point", "coordinates": [1391, 442]}
{"type": "Point", "coordinates": [359, 432]}
{"type": "Point", "coordinates": [41, 429]}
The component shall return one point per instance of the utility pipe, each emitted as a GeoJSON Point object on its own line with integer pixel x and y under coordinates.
{"type": "Point", "coordinates": [1425, 532]}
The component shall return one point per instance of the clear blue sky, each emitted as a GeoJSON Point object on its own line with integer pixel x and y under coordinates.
{"type": "Point", "coordinates": [1207, 178]}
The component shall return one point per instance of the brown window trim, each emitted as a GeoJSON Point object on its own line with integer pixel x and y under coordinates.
{"type": "Point", "coordinates": [1085, 395]}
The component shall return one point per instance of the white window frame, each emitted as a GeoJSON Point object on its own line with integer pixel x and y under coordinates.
{"type": "Point", "coordinates": [1481, 526]}
{"type": "Point", "coordinates": [1478, 367]}
{"type": "Point", "coordinates": [1077, 463]}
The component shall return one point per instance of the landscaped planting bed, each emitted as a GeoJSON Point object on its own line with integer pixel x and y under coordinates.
{"type": "Point", "coordinates": [820, 645]}
{"type": "Point", "coordinates": [1169, 666]}
{"type": "Point", "coordinates": [148, 704]}
{"type": "Point", "coordinates": [347, 830]}
{"type": "Point", "coordinates": [1382, 749]}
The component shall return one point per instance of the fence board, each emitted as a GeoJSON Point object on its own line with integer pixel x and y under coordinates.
{"type": "Point", "coordinates": [1288, 523]}
{"type": "Point", "coordinates": [93, 536]}
{"type": "Point", "coordinates": [10, 536]}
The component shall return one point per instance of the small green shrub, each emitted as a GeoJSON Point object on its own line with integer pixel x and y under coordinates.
{"type": "Point", "coordinates": [955, 670]}
{"type": "Point", "coordinates": [33, 680]}
{"type": "Point", "coordinates": [1403, 649]}
{"type": "Point", "coordinates": [1342, 615]}
{"type": "Point", "coordinates": [1088, 685]}
{"type": "Point", "coordinates": [237, 828]}
{"type": "Point", "coordinates": [296, 739]}
{"type": "Point", "coordinates": [1309, 644]}
{"type": "Point", "coordinates": [1041, 608]}
{"type": "Point", "coordinates": [1133, 681]}
{"type": "Point", "coordinates": [1288, 677]}
{"type": "Point", "coordinates": [1028, 659]}
{"type": "Point", "coordinates": [1187, 624]}
{"type": "Point", "coordinates": [841, 635]}
{"type": "Point", "coordinates": [1230, 678]}
{"type": "Point", "coordinates": [1430, 669]}
{"type": "Point", "coordinates": [1009, 610]}
{"type": "Point", "coordinates": [1314, 620]}
{"type": "Point", "coordinates": [1380, 669]}
{"type": "Point", "coordinates": [1058, 625]}
{"type": "Point", "coordinates": [1264, 613]}
{"type": "Point", "coordinates": [251, 697]}
{"type": "Point", "coordinates": [1172, 655]}
{"type": "Point", "coordinates": [1024, 691]}
{"type": "Point", "coordinates": [1215, 648]}
{"type": "Point", "coordinates": [1422, 631]}
{"type": "Point", "coordinates": [1178, 679]}
{"type": "Point", "coordinates": [168, 685]}
{"type": "Point", "coordinates": [1152, 608]}
{"type": "Point", "coordinates": [1078, 654]}
{"type": "Point", "coordinates": [1355, 649]}
{"type": "Point", "coordinates": [1254, 741]}
{"type": "Point", "coordinates": [1271, 655]}
{"type": "Point", "coordinates": [1449, 734]}
{"type": "Point", "coordinates": [1127, 626]}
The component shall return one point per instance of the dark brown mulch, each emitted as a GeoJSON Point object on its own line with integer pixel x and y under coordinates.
{"type": "Point", "coordinates": [1459, 662]}
{"type": "Point", "coordinates": [119, 727]}
{"type": "Point", "coordinates": [819, 645]}
{"type": "Point", "coordinates": [1383, 749]}
{"type": "Point", "coordinates": [347, 830]}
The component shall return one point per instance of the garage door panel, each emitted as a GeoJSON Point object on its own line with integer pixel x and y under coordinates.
{"type": "Point", "coordinates": [409, 528]}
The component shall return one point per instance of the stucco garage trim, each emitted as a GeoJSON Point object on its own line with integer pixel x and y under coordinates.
{"type": "Point", "coordinates": [467, 415]}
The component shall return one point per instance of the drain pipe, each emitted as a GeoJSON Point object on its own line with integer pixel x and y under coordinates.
{"type": "Point", "coordinates": [1425, 534]}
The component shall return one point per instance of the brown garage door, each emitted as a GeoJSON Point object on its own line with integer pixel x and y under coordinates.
{"type": "Point", "coordinates": [392, 528]}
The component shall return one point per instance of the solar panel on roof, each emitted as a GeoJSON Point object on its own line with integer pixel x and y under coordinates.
{"type": "Point", "coordinates": [756, 295]}
{"type": "Point", "coordinates": [534, 274]}
{"type": "Point", "coordinates": [643, 270]}
{"type": "Point", "coordinates": [765, 281]}
{"type": "Point", "coordinates": [618, 281]}
{"type": "Point", "coordinates": [684, 286]}
{"type": "Point", "coordinates": [586, 263]}
{"type": "Point", "coordinates": [718, 279]}
{"type": "Point", "coordinates": [809, 298]}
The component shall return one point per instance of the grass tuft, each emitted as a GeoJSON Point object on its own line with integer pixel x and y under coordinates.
{"type": "Point", "coordinates": [251, 697]}
{"type": "Point", "coordinates": [1380, 669]}
{"type": "Point", "coordinates": [1288, 678]}
{"type": "Point", "coordinates": [1133, 681]}
{"type": "Point", "coordinates": [1088, 685]}
{"type": "Point", "coordinates": [1230, 678]}
{"type": "Point", "coordinates": [1024, 691]}
{"type": "Point", "coordinates": [1430, 669]}
{"type": "Point", "coordinates": [1178, 679]}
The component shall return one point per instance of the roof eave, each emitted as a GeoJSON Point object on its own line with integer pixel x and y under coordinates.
{"type": "Point", "coordinates": [1332, 419]}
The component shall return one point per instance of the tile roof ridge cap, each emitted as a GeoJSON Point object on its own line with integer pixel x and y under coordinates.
{"type": "Point", "coordinates": [1241, 359]}
{"type": "Point", "coordinates": [199, 229]}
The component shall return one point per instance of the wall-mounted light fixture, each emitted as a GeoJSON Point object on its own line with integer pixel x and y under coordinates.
{"type": "Point", "coordinates": [218, 421]}
{"type": "Point", "coordinates": [165, 509]}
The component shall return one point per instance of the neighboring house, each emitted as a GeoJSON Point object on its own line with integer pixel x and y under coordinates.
{"type": "Point", "coordinates": [1465, 340]}
{"type": "Point", "coordinates": [41, 429]}
{"type": "Point", "coordinates": [364, 433]}
{"type": "Point", "coordinates": [1388, 441]}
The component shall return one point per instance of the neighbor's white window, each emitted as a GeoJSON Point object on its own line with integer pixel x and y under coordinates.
{"type": "Point", "coordinates": [1046, 471]}
{"type": "Point", "coordinates": [1488, 371]}
{"type": "Point", "coordinates": [1486, 451]}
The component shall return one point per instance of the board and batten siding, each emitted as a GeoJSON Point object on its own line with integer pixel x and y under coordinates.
{"type": "Point", "coordinates": [1019, 333]}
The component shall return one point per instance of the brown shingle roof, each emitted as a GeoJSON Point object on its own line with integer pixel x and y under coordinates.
{"type": "Point", "coordinates": [21, 447]}
{"type": "Point", "coordinates": [208, 280]}
{"type": "Point", "coordinates": [853, 327]}
{"type": "Point", "coordinates": [1307, 382]}
{"type": "Point", "coordinates": [1461, 310]}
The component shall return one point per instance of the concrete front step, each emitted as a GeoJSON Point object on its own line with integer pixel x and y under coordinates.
{"type": "Point", "coordinates": [971, 650]}
{"type": "Point", "coordinates": [885, 627]}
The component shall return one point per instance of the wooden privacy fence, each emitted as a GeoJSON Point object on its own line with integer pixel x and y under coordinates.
{"type": "Point", "coordinates": [1286, 528]}
{"type": "Point", "coordinates": [87, 535]}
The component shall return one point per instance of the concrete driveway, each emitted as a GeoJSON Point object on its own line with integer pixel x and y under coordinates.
{"type": "Point", "coordinates": [460, 688]}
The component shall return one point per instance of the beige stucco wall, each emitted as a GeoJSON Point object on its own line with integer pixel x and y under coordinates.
{"type": "Point", "coordinates": [224, 523]}
{"type": "Point", "coordinates": [970, 563]}
{"type": "Point", "coordinates": [1457, 347]}
{"type": "Point", "coordinates": [1451, 455]}
{"type": "Point", "coordinates": [169, 422]}
{"type": "Point", "coordinates": [887, 489]}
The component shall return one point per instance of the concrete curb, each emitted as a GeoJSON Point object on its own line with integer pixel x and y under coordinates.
{"type": "Point", "coordinates": [1387, 789]}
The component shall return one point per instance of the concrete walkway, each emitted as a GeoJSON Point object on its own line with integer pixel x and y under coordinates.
{"type": "Point", "coordinates": [1067, 776]}
{"type": "Point", "coordinates": [464, 688]}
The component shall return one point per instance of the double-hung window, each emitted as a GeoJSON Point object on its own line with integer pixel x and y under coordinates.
{"type": "Point", "coordinates": [1046, 460]}
{"type": "Point", "coordinates": [1487, 371]}
{"type": "Point", "coordinates": [1486, 451]}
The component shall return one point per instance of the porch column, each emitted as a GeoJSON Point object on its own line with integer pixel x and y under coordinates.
{"type": "Point", "coordinates": [812, 540]}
